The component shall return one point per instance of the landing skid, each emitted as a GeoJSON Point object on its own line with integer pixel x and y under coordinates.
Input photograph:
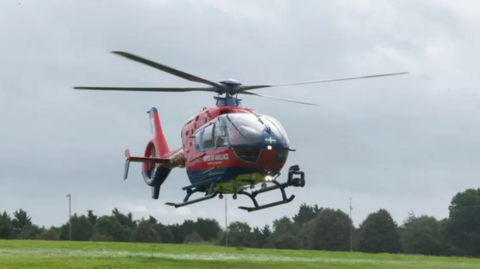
{"type": "Point", "coordinates": [185, 203]}
{"type": "Point", "coordinates": [291, 182]}
{"type": "Point", "coordinates": [195, 188]}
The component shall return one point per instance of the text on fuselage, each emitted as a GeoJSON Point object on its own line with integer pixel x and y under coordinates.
{"type": "Point", "coordinates": [218, 157]}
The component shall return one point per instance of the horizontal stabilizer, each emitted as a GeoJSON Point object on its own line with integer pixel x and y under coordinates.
{"type": "Point", "coordinates": [149, 160]}
{"type": "Point", "coordinates": [129, 158]}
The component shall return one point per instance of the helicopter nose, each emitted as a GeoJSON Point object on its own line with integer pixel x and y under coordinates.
{"type": "Point", "coordinates": [281, 156]}
{"type": "Point", "coordinates": [247, 154]}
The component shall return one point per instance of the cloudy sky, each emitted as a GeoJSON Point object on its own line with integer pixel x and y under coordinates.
{"type": "Point", "coordinates": [402, 143]}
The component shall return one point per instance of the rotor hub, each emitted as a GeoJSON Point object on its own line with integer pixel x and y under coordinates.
{"type": "Point", "coordinates": [230, 85]}
{"type": "Point", "coordinates": [230, 82]}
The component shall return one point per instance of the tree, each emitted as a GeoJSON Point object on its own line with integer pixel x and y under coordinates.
{"type": "Point", "coordinates": [112, 229]}
{"type": "Point", "coordinates": [166, 236]}
{"type": "Point", "coordinates": [30, 232]}
{"type": "Point", "coordinates": [188, 227]}
{"type": "Point", "coordinates": [378, 233]}
{"type": "Point", "coordinates": [208, 229]}
{"type": "Point", "coordinates": [49, 234]}
{"type": "Point", "coordinates": [98, 237]}
{"type": "Point", "coordinates": [193, 238]}
{"type": "Point", "coordinates": [407, 223]}
{"type": "Point", "coordinates": [266, 231]}
{"type": "Point", "coordinates": [306, 213]}
{"type": "Point", "coordinates": [287, 241]}
{"type": "Point", "coordinates": [421, 235]}
{"type": "Point", "coordinates": [20, 220]}
{"type": "Point", "coordinates": [124, 219]}
{"type": "Point", "coordinates": [330, 231]}
{"type": "Point", "coordinates": [311, 228]}
{"type": "Point", "coordinates": [82, 229]}
{"type": "Point", "coordinates": [6, 227]}
{"type": "Point", "coordinates": [178, 235]}
{"type": "Point", "coordinates": [305, 233]}
{"type": "Point", "coordinates": [463, 225]}
{"type": "Point", "coordinates": [122, 233]}
{"type": "Point", "coordinates": [105, 225]}
{"type": "Point", "coordinates": [92, 217]}
{"type": "Point", "coordinates": [282, 226]}
{"type": "Point", "coordinates": [285, 225]}
{"type": "Point", "coordinates": [239, 235]}
{"type": "Point", "coordinates": [181, 231]}
{"type": "Point", "coordinates": [145, 233]}
{"type": "Point", "coordinates": [258, 238]}
{"type": "Point", "coordinates": [152, 220]}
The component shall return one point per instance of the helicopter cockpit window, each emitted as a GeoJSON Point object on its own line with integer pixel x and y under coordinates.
{"type": "Point", "coordinates": [275, 125]}
{"type": "Point", "coordinates": [244, 129]}
{"type": "Point", "coordinates": [251, 129]}
{"type": "Point", "coordinates": [220, 134]}
{"type": "Point", "coordinates": [208, 137]}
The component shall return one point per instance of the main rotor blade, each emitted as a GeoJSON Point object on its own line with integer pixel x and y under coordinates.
{"type": "Point", "coordinates": [247, 87]}
{"type": "Point", "coordinates": [139, 89]}
{"type": "Point", "coordinates": [167, 69]}
{"type": "Point", "coordinates": [281, 99]}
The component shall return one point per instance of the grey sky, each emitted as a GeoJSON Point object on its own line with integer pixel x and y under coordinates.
{"type": "Point", "coordinates": [402, 143]}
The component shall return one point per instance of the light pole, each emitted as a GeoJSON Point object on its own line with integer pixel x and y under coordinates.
{"type": "Point", "coordinates": [351, 227]}
{"type": "Point", "coordinates": [70, 215]}
{"type": "Point", "coordinates": [226, 222]}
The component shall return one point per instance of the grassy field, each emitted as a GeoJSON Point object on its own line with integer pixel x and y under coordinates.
{"type": "Point", "coordinates": [61, 254]}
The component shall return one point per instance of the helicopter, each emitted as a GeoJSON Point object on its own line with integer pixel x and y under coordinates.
{"type": "Point", "coordinates": [226, 149]}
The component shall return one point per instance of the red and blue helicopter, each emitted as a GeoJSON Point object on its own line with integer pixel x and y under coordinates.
{"type": "Point", "coordinates": [226, 149]}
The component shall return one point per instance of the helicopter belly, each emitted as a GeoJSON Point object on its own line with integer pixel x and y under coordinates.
{"type": "Point", "coordinates": [231, 178]}
{"type": "Point", "coordinates": [234, 182]}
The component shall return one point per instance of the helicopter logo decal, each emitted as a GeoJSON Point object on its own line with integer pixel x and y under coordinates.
{"type": "Point", "coordinates": [270, 140]}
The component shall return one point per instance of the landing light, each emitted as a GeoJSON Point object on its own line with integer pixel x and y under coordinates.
{"type": "Point", "coordinates": [269, 147]}
{"type": "Point", "coordinates": [268, 178]}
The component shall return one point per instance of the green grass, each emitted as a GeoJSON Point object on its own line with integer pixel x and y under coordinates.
{"type": "Point", "coordinates": [64, 254]}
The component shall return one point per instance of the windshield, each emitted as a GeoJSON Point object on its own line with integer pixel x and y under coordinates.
{"type": "Point", "coordinates": [277, 127]}
{"type": "Point", "coordinates": [250, 129]}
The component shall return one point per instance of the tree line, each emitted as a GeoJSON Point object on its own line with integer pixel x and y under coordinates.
{"type": "Point", "coordinates": [312, 227]}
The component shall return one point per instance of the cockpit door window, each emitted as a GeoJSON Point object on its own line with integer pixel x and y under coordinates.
{"type": "Point", "coordinates": [220, 134]}
{"type": "Point", "coordinates": [208, 142]}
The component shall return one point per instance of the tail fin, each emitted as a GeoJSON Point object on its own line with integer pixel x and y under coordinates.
{"type": "Point", "coordinates": [161, 150]}
{"type": "Point", "coordinates": [158, 136]}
